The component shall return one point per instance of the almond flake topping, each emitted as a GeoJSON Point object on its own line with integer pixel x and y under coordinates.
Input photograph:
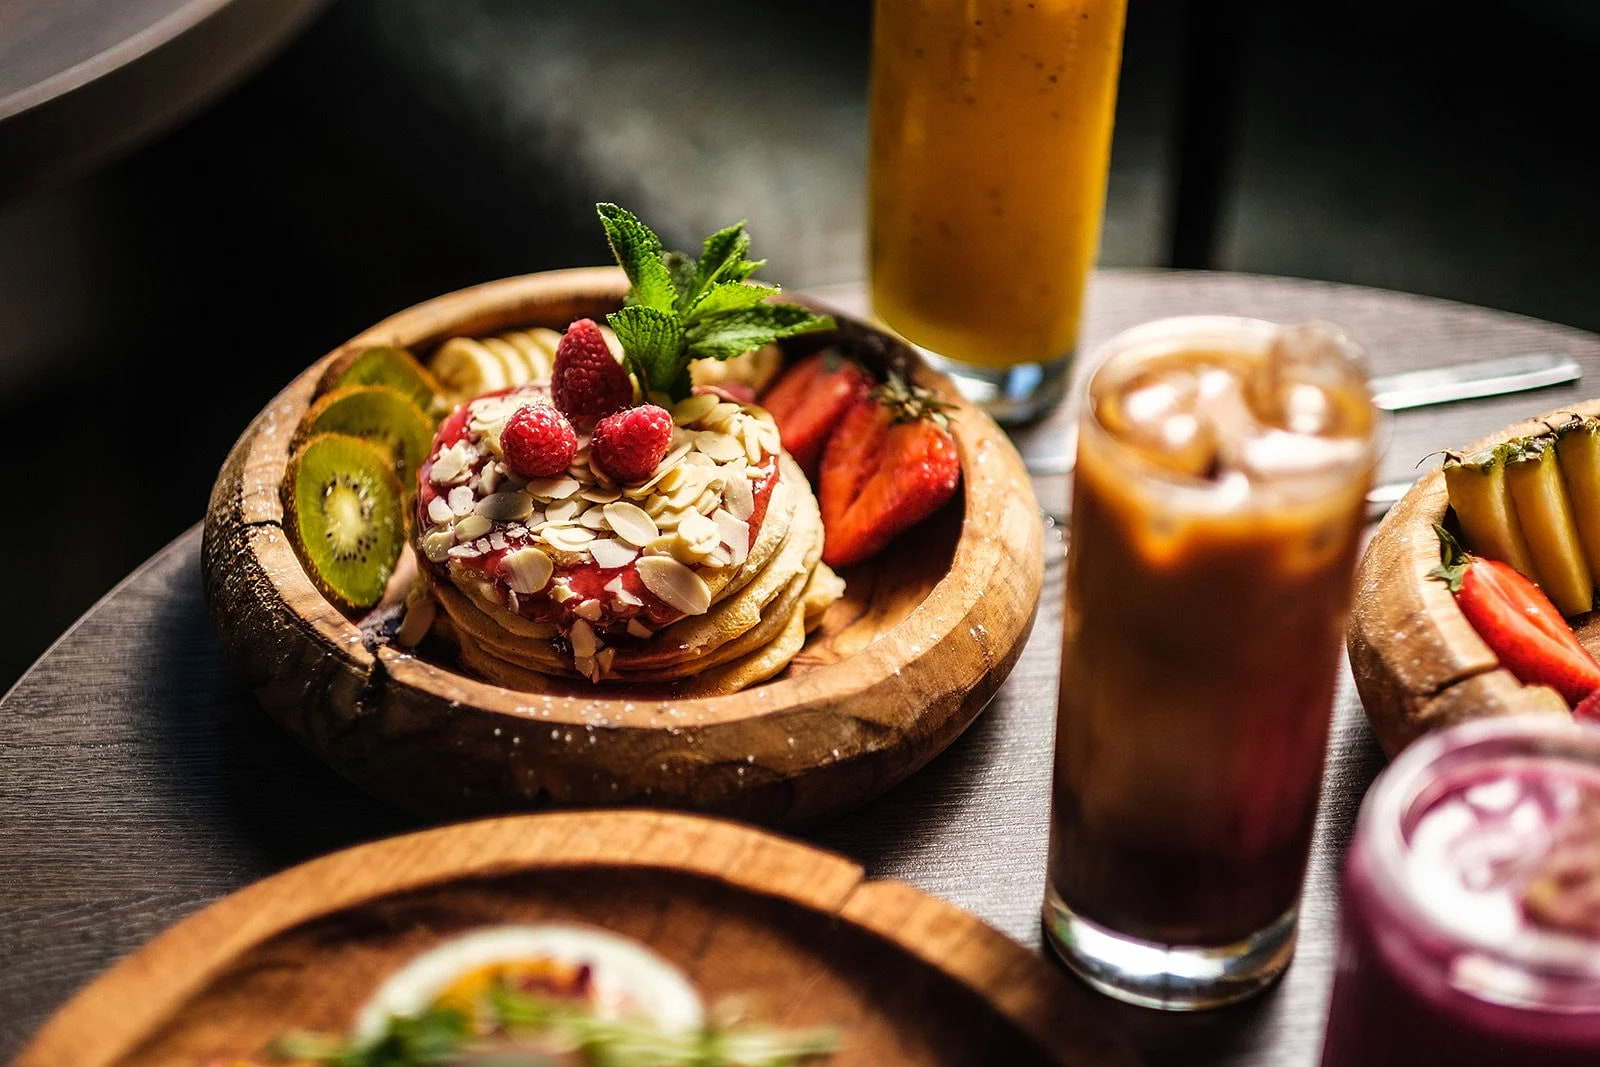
{"type": "Point", "coordinates": [694, 408]}
{"type": "Point", "coordinates": [608, 552]}
{"type": "Point", "coordinates": [639, 629]}
{"type": "Point", "coordinates": [584, 642]}
{"type": "Point", "coordinates": [453, 463]}
{"type": "Point", "coordinates": [678, 587]}
{"type": "Point", "coordinates": [471, 527]}
{"type": "Point", "coordinates": [632, 523]}
{"type": "Point", "coordinates": [439, 511]}
{"type": "Point", "coordinates": [505, 507]}
{"type": "Point", "coordinates": [558, 488]}
{"type": "Point", "coordinates": [436, 545]}
{"type": "Point", "coordinates": [527, 570]}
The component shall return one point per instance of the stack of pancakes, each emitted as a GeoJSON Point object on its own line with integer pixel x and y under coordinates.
{"type": "Point", "coordinates": [760, 611]}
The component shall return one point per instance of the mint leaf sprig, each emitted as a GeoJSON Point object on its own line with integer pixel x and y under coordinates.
{"type": "Point", "coordinates": [681, 308]}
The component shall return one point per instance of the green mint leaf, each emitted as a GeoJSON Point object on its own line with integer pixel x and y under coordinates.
{"type": "Point", "coordinates": [743, 269]}
{"type": "Point", "coordinates": [652, 340]}
{"type": "Point", "coordinates": [639, 250]}
{"type": "Point", "coordinates": [682, 268]}
{"type": "Point", "coordinates": [728, 296]}
{"type": "Point", "coordinates": [734, 333]}
{"type": "Point", "coordinates": [722, 252]}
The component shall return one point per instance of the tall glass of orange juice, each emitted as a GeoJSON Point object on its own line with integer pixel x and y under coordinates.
{"type": "Point", "coordinates": [991, 138]}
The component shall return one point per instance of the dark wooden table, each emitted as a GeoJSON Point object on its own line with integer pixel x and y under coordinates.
{"type": "Point", "coordinates": [138, 781]}
{"type": "Point", "coordinates": [83, 79]}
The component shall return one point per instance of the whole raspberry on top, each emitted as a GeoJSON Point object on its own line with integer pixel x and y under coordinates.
{"type": "Point", "coordinates": [587, 382]}
{"type": "Point", "coordinates": [629, 445]}
{"type": "Point", "coordinates": [538, 441]}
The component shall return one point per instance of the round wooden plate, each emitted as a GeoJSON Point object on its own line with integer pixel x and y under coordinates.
{"type": "Point", "coordinates": [1418, 663]}
{"type": "Point", "coordinates": [924, 636]}
{"type": "Point", "coordinates": [795, 931]}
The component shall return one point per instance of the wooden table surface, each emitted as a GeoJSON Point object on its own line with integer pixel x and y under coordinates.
{"type": "Point", "coordinates": [138, 781]}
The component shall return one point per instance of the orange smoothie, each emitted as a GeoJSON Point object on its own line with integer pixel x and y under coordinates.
{"type": "Point", "coordinates": [991, 135]}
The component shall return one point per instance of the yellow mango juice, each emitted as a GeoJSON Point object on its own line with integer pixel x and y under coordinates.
{"type": "Point", "coordinates": [991, 135]}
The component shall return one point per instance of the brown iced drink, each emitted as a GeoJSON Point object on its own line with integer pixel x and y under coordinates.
{"type": "Point", "coordinates": [1219, 497]}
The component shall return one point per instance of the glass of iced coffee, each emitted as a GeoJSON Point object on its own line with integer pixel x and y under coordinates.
{"type": "Point", "coordinates": [1218, 503]}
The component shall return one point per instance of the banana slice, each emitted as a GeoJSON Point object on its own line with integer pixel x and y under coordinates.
{"type": "Point", "coordinates": [466, 368]}
{"type": "Point", "coordinates": [538, 349]}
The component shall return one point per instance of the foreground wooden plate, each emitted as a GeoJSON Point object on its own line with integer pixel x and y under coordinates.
{"type": "Point", "coordinates": [1418, 664]}
{"type": "Point", "coordinates": [923, 638]}
{"type": "Point", "coordinates": [909, 979]}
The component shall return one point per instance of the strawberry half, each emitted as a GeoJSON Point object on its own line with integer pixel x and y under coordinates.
{"type": "Point", "coordinates": [1517, 621]}
{"type": "Point", "coordinates": [890, 464]}
{"type": "Point", "coordinates": [808, 401]}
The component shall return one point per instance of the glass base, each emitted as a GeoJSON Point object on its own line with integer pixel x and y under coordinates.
{"type": "Point", "coordinates": [1019, 393]}
{"type": "Point", "coordinates": [1168, 977]}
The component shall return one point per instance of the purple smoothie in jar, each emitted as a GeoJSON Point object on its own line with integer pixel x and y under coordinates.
{"type": "Point", "coordinates": [1470, 929]}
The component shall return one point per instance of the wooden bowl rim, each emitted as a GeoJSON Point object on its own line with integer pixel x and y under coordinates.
{"type": "Point", "coordinates": [108, 1019]}
{"type": "Point", "coordinates": [983, 447]}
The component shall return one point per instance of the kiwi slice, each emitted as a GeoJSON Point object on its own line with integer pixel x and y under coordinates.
{"type": "Point", "coordinates": [384, 365]}
{"type": "Point", "coordinates": [343, 515]}
{"type": "Point", "coordinates": [386, 417]}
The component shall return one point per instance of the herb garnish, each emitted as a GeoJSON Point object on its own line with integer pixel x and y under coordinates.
{"type": "Point", "coordinates": [680, 308]}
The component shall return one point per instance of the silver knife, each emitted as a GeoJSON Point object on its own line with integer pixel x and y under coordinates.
{"type": "Point", "coordinates": [1413, 389]}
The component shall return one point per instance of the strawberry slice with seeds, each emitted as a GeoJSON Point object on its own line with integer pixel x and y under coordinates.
{"type": "Point", "coordinates": [808, 401]}
{"type": "Point", "coordinates": [891, 463]}
{"type": "Point", "coordinates": [1517, 621]}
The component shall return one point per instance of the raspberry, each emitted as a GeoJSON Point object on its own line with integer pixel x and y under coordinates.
{"type": "Point", "coordinates": [629, 444]}
{"type": "Point", "coordinates": [587, 381]}
{"type": "Point", "coordinates": [538, 441]}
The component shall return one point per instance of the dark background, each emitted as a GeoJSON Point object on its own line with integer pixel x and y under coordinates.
{"type": "Point", "coordinates": [401, 148]}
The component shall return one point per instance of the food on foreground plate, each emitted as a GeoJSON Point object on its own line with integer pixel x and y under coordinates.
{"type": "Point", "coordinates": [809, 400]}
{"type": "Point", "coordinates": [380, 415]}
{"type": "Point", "coordinates": [343, 514]}
{"type": "Point", "coordinates": [612, 524]}
{"type": "Point", "coordinates": [549, 995]}
{"type": "Point", "coordinates": [1517, 621]}
{"type": "Point", "coordinates": [1534, 503]}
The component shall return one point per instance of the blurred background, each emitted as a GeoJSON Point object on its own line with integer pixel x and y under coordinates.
{"type": "Point", "coordinates": [256, 180]}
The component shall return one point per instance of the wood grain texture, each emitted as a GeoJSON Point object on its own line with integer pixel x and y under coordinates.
{"type": "Point", "coordinates": [139, 779]}
{"type": "Point", "coordinates": [1418, 663]}
{"type": "Point", "coordinates": [897, 669]}
{"type": "Point", "coordinates": [794, 931]}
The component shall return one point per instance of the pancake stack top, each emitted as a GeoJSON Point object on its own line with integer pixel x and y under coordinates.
{"type": "Point", "coordinates": [706, 575]}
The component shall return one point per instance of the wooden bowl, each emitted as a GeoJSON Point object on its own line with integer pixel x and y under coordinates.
{"type": "Point", "coordinates": [1418, 663]}
{"type": "Point", "coordinates": [925, 635]}
{"type": "Point", "coordinates": [797, 931]}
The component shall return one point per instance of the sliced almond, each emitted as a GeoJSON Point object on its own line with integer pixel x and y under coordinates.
{"type": "Point", "coordinates": [739, 498]}
{"type": "Point", "coordinates": [639, 629]}
{"type": "Point", "coordinates": [750, 435]}
{"type": "Point", "coordinates": [697, 530]}
{"type": "Point", "coordinates": [452, 464]}
{"type": "Point", "coordinates": [569, 538]}
{"type": "Point", "coordinates": [460, 500]}
{"type": "Point", "coordinates": [466, 551]}
{"type": "Point", "coordinates": [719, 446]}
{"type": "Point", "coordinates": [735, 533]}
{"type": "Point", "coordinates": [677, 586]}
{"type": "Point", "coordinates": [670, 545]}
{"type": "Point", "coordinates": [594, 519]}
{"type": "Point", "coordinates": [719, 557]}
{"type": "Point", "coordinates": [439, 511]}
{"type": "Point", "coordinates": [497, 541]}
{"type": "Point", "coordinates": [671, 517]}
{"type": "Point", "coordinates": [512, 506]}
{"type": "Point", "coordinates": [608, 552]}
{"type": "Point", "coordinates": [596, 495]}
{"type": "Point", "coordinates": [527, 570]}
{"type": "Point", "coordinates": [656, 505]}
{"type": "Point", "coordinates": [436, 545]}
{"type": "Point", "coordinates": [632, 523]}
{"type": "Point", "coordinates": [557, 488]}
{"type": "Point", "coordinates": [583, 639]}
{"type": "Point", "coordinates": [694, 408]}
{"type": "Point", "coordinates": [563, 510]}
{"type": "Point", "coordinates": [561, 592]}
{"type": "Point", "coordinates": [472, 527]}
{"type": "Point", "coordinates": [589, 609]}
{"type": "Point", "coordinates": [671, 460]}
{"type": "Point", "coordinates": [708, 501]}
{"type": "Point", "coordinates": [604, 659]}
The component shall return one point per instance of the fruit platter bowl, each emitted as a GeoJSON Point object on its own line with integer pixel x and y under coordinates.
{"type": "Point", "coordinates": [617, 937]}
{"type": "Point", "coordinates": [1501, 621]}
{"type": "Point", "coordinates": [442, 699]}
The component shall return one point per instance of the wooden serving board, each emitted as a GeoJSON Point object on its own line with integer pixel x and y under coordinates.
{"type": "Point", "coordinates": [922, 639]}
{"type": "Point", "coordinates": [1418, 663]}
{"type": "Point", "coordinates": [793, 930]}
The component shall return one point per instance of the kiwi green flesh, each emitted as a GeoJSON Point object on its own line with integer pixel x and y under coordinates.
{"type": "Point", "coordinates": [382, 416]}
{"type": "Point", "coordinates": [394, 367]}
{"type": "Point", "coordinates": [345, 518]}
